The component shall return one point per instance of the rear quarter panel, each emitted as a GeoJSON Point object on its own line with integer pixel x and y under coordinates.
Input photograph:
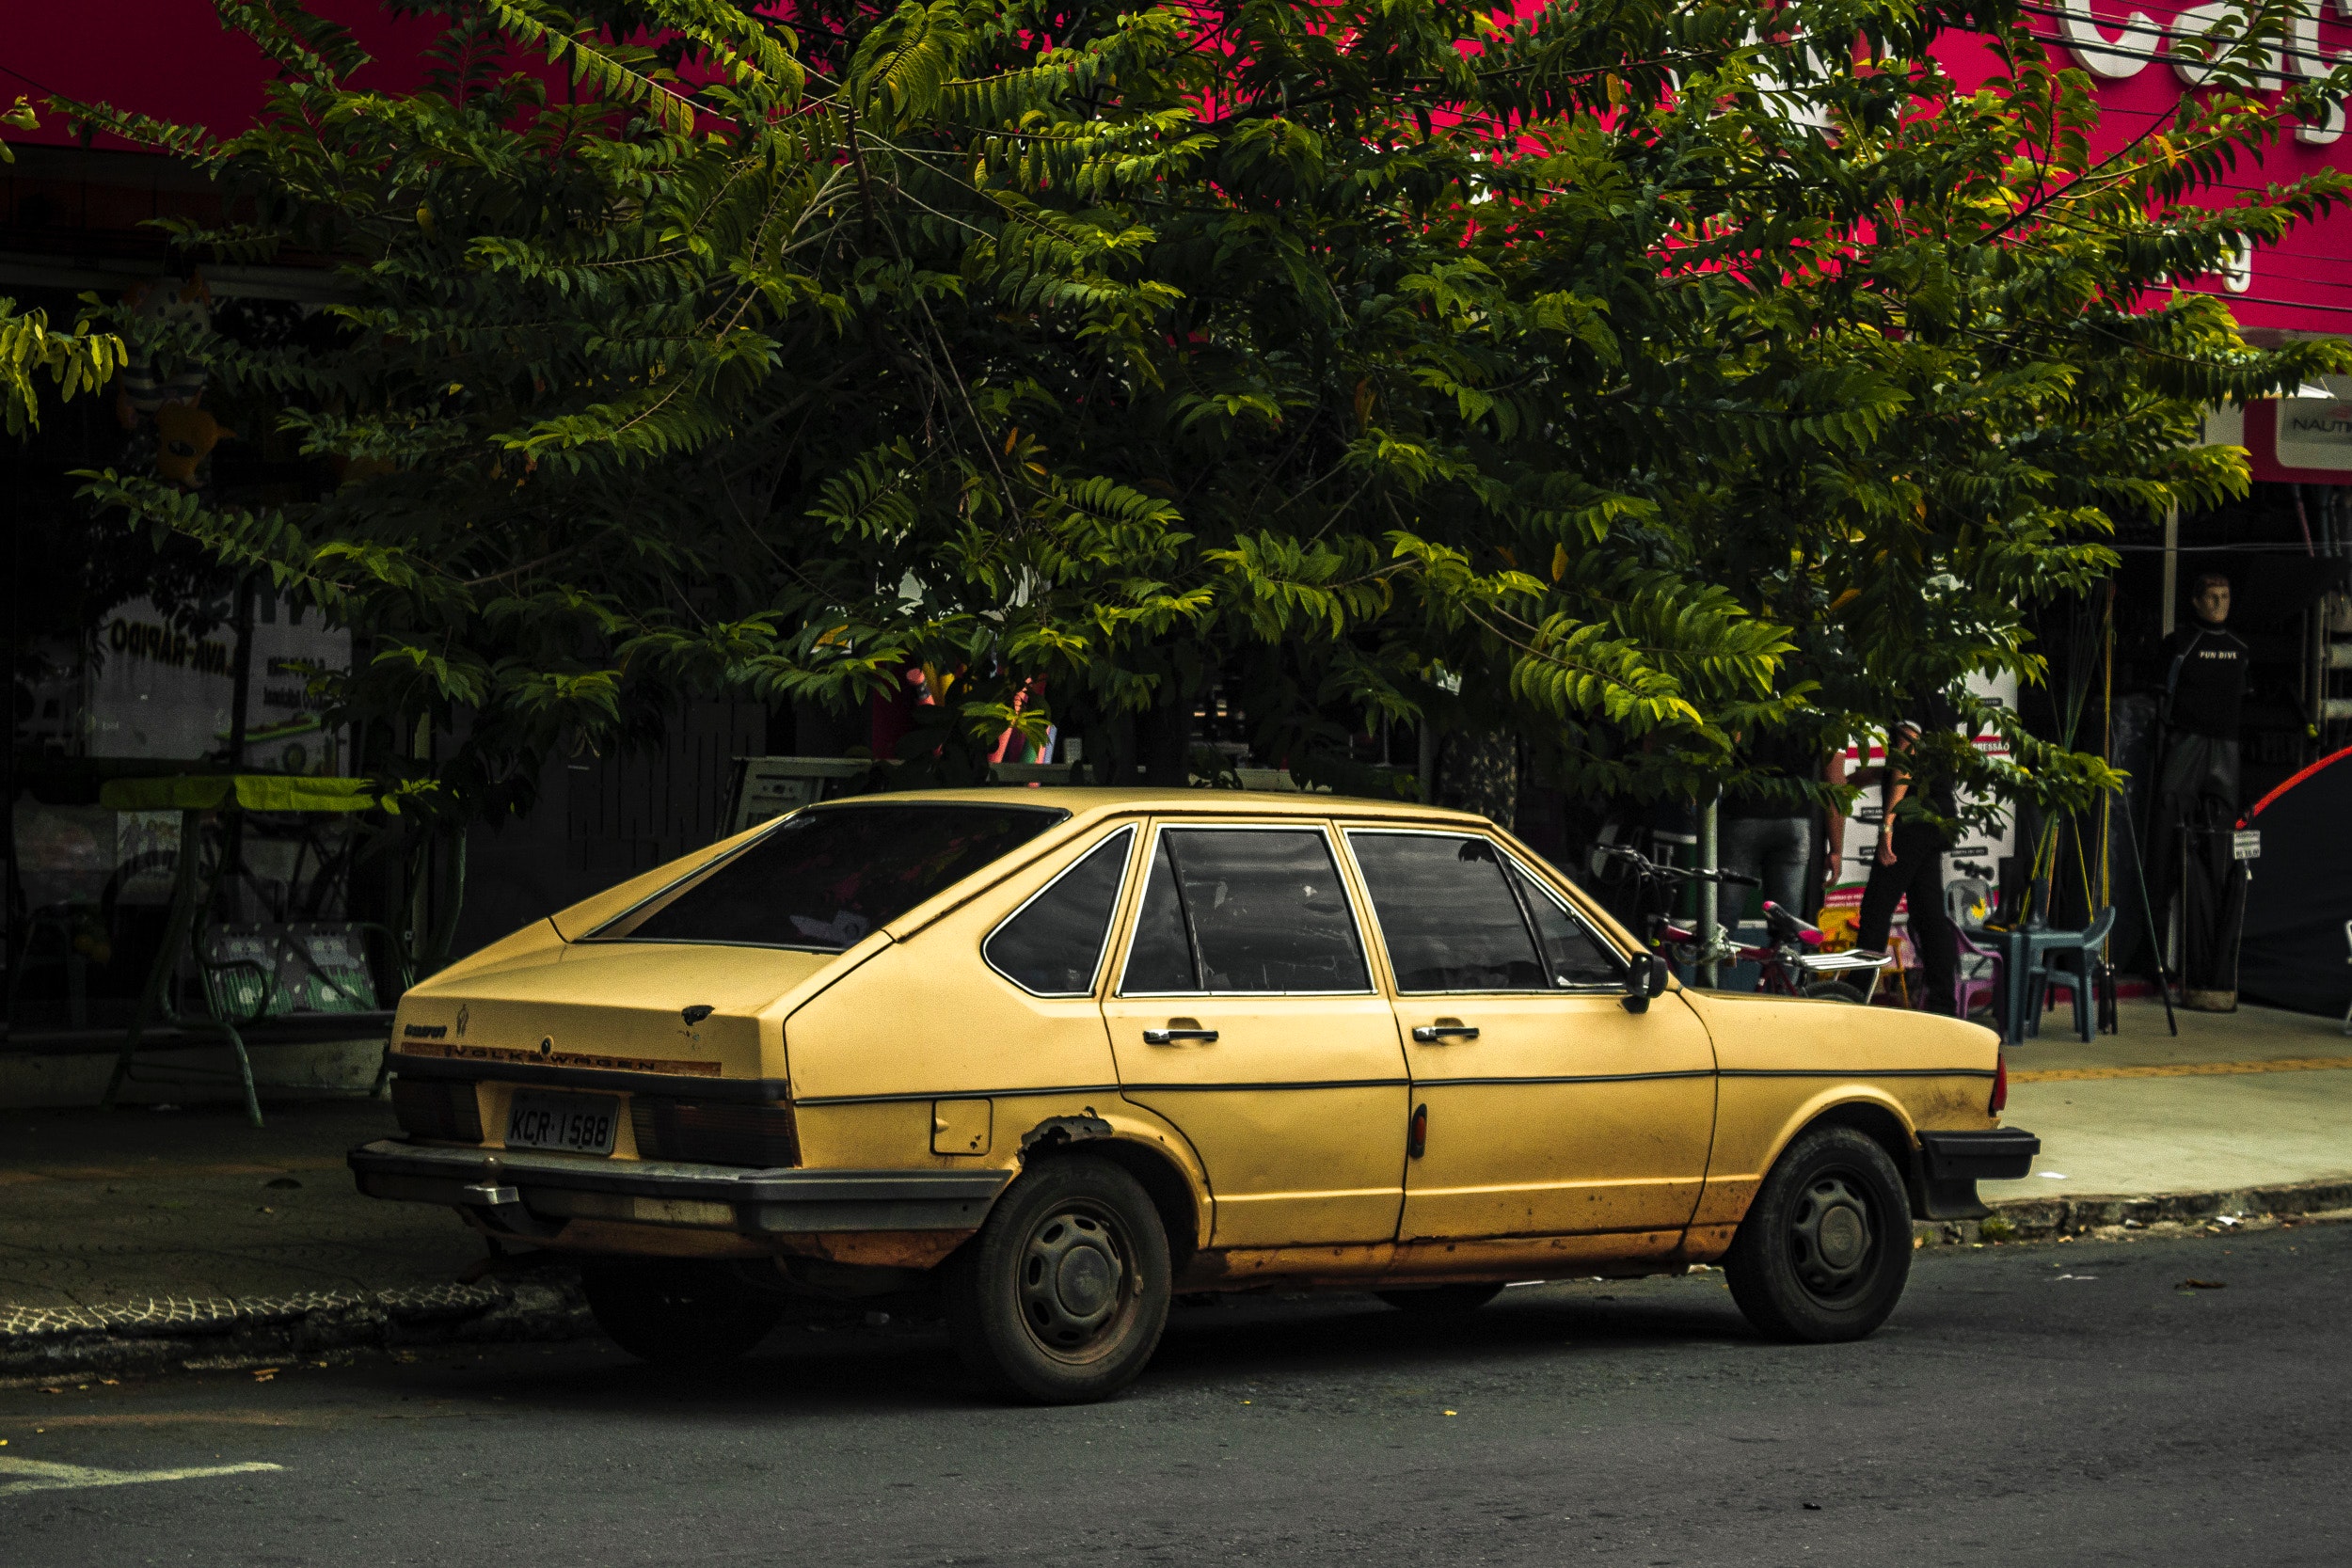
{"type": "Point", "coordinates": [1785, 1060]}
{"type": "Point", "coordinates": [927, 1019]}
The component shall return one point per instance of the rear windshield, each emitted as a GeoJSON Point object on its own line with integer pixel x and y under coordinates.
{"type": "Point", "coordinates": [821, 879]}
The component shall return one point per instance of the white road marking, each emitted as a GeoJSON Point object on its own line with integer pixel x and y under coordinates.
{"type": "Point", "coordinates": [34, 1475]}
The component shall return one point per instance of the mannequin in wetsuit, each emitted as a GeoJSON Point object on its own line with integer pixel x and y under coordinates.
{"type": "Point", "coordinates": [2205, 667]}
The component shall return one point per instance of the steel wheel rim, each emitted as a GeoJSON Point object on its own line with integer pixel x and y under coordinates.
{"type": "Point", "coordinates": [1076, 1282]}
{"type": "Point", "coordinates": [1833, 1242]}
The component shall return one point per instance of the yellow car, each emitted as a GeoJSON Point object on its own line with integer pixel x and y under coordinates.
{"type": "Point", "coordinates": [1060, 1054]}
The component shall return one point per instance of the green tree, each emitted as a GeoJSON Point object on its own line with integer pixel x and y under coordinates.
{"type": "Point", "coordinates": [1634, 349]}
{"type": "Point", "coordinates": [604, 349]}
{"type": "Point", "coordinates": [1557, 375]}
{"type": "Point", "coordinates": [76, 361]}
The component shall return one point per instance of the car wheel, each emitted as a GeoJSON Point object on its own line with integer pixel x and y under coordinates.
{"type": "Point", "coordinates": [1836, 990]}
{"type": "Point", "coordinates": [1825, 1248]}
{"type": "Point", "coordinates": [1061, 1297]}
{"type": "Point", "coordinates": [677, 1312]}
{"type": "Point", "coordinates": [1441, 1301]}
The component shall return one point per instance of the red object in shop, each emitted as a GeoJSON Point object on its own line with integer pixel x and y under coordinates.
{"type": "Point", "coordinates": [2321, 765]}
{"type": "Point", "coordinates": [1005, 742]}
{"type": "Point", "coordinates": [2298, 910]}
{"type": "Point", "coordinates": [892, 714]}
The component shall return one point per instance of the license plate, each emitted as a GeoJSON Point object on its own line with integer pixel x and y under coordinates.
{"type": "Point", "coordinates": [574, 1123]}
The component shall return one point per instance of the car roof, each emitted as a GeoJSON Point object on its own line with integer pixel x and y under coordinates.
{"type": "Point", "coordinates": [1089, 805]}
{"type": "Point", "coordinates": [1088, 802]}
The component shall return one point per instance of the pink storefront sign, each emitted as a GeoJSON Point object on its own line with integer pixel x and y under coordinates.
{"type": "Point", "coordinates": [2142, 63]}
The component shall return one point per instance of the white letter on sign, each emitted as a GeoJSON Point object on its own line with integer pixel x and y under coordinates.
{"type": "Point", "coordinates": [2305, 57]}
{"type": "Point", "coordinates": [2119, 61]}
{"type": "Point", "coordinates": [2205, 35]}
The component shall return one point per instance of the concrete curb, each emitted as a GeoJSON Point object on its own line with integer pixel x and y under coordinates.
{"type": "Point", "coordinates": [168, 1334]}
{"type": "Point", "coordinates": [2044, 1219]}
{"type": "Point", "coordinates": [177, 1332]}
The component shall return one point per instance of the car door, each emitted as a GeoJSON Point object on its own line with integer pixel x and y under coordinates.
{"type": "Point", "coordinates": [1244, 1013]}
{"type": "Point", "coordinates": [1541, 1105]}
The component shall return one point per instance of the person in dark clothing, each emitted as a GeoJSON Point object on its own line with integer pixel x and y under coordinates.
{"type": "Point", "coordinates": [2205, 669]}
{"type": "Point", "coordinates": [1769, 838]}
{"type": "Point", "coordinates": [1909, 869]}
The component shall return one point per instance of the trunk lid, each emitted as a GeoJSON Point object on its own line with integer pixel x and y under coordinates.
{"type": "Point", "coordinates": [619, 1006]}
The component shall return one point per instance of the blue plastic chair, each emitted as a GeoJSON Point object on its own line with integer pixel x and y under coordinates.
{"type": "Point", "coordinates": [2076, 961]}
{"type": "Point", "coordinates": [2025, 953]}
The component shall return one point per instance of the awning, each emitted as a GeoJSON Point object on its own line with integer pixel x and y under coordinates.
{"type": "Point", "coordinates": [253, 791]}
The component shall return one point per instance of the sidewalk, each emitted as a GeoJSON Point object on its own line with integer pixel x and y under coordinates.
{"type": "Point", "coordinates": [2250, 1099]}
{"type": "Point", "coordinates": [138, 1239]}
{"type": "Point", "coordinates": [141, 1239]}
{"type": "Point", "coordinates": [99, 1205]}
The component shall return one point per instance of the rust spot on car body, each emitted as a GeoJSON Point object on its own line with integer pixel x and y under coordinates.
{"type": "Point", "coordinates": [883, 1249]}
{"type": "Point", "coordinates": [1370, 1265]}
{"type": "Point", "coordinates": [620, 1238]}
{"type": "Point", "coordinates": [1064, 1129]}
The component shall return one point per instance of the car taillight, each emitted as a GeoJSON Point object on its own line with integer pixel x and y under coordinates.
{"type": "Point", "coordinates": [1999, 1102]}
{"type": "Point", "coordinates": [714, 1133]}
{"type": "Point", "coordinates": [437, 1109]}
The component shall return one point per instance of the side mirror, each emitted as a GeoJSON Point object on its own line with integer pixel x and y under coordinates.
{"type": "Point", "coordinates": [1647, 978]}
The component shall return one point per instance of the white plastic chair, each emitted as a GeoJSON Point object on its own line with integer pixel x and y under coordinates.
{"type": "Point", "coordinates": [1968, 903]}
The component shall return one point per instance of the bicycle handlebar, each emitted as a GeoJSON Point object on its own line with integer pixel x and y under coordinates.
{"type": "Point", "coordinates": [1648, 868]}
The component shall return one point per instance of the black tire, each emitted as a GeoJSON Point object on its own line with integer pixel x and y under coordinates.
{"type": "Point", "coordinates": [677, 1312]}
{"type": "Point", "coordinates": [1441, 1301]}
{"type": "Point", "coordinates": [1836, 990]}
{"type": "Point", "coordinates": [1825, 1249]}
{"type": "Point", "coordinates": [1061, 1297]}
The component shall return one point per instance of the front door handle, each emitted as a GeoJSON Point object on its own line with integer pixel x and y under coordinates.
{"type": "Point", "coordinates": [1444, 1029]}
{"type": "Point", "coordinates": [1171, 1034]}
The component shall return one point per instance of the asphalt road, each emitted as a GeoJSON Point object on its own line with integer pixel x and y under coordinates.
{"type": "Point", "coordinates": [2069, 1403]}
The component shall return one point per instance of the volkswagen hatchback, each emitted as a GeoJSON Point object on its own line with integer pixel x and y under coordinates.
{"type": "Point", "coordinates": [1060, 1054]}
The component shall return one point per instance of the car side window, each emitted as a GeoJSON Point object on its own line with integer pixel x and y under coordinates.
{"type": "Point", "coordinates": [1244, 910]}
{"type": "Point", "coordinates": [1572, 952]}
{"type": "Point", "coordinates": [1448, 914]}
{"type": "Point", "coordinates": [1053, 945]}
{"type": "Point", "coordinates": [1159, 955]}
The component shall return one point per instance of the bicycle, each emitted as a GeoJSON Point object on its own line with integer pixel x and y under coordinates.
{"type": "Point", "coordinates": [1791, 964]}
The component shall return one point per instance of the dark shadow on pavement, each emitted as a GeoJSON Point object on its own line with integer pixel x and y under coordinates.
{"type": "Point", "coordinates": [910, 1368]}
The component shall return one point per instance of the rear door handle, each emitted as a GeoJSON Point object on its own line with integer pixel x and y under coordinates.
{"type": "Point", "coordinates": [1444, 1029]}
{"type": "Point", "coordinates": [1169, 1037]}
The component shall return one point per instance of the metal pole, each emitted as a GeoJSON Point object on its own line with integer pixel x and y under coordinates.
{"type": "Point", "coordinates": [241, 673]}
{"type": "Point", "coordinates": [232, 884]}
{"type": "Point", "coordinates": [420, 889]}
{"type": "Point", "coordinates": [2160, 939]}
{"type": "Point", "coordinates": [1709, 924]}
{"type": "Point", "coordinates": [2171, 564]}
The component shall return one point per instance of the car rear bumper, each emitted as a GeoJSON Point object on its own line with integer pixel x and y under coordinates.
{"type": "Point", "coordinates": [1952, 1164]}
{"type": "Point", "coordinates": [535, 1195]}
